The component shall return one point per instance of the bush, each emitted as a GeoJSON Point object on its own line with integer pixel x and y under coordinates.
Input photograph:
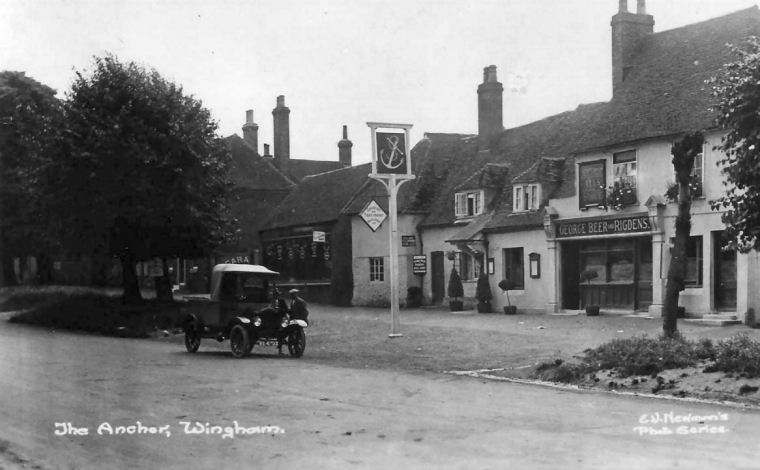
{"type": "Point", "coordinates": [642, 355]}
{"type": "Point", "coordinates": [559, 371]}
{"type": "Point", "coordinates": [483, 290]}
{"type": "Point", "coordinates": [456, 289]}
{"type": "Point", "coordinates": [106, 315]}
{"type": "Point", "coordinates": [739, 354]}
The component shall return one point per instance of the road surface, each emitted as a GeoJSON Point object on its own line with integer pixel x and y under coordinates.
{"type": "Point", "coordinates": [271, 412]}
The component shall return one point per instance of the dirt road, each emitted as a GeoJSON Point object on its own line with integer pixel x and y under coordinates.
{"type": "Point", "coordinates": [285, 413]}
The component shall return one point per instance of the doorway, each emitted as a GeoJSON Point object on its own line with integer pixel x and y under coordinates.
{"type": "Point", "coordinates": [724, 262]}
{"type": "Point", "coordinates": [438, 281]}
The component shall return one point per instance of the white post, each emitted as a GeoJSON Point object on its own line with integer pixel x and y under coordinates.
{"type": "Point", "coordinates": [392, 192]}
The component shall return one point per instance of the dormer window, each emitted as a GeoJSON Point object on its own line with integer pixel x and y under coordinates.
{"type": "Point", "coordinates": [468, 204]}
{"type": "Point", "coordinates": [526, 197]}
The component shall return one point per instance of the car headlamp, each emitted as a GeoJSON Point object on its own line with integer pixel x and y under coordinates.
{"type": "Point", "coordinates": [257, 321]}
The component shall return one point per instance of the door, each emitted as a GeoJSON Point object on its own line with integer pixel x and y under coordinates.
{"type": "Point", "coordinates": [438, 281]}
{"type": "Point", "coordinates": [570, 274]}
{"type": "Point", "coordinates": [724, 262]}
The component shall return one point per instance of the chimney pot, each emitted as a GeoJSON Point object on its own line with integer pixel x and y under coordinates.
{"type": "Point", "coordinates": [281, 117]}
{"type": "Point", "coordinates": [490, 112]}
{"type": "Point", "coordinates": [641, 7]}
{"type": "Point", "coordinates": [344, 148]}
{"type": "Point", "coordinates": [266, 150]}
{"type": "Point", "coordinates": [251, 131]}
{"type": "Point", "coordinates": [622, 6]}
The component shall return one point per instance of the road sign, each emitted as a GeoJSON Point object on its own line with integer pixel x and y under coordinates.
{"type": "Point", "coordinates": [373, 215]}
{"type": "Point", "coordinates": [318, 237]}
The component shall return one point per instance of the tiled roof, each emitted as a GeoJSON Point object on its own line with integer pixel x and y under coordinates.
{"type": "Point", "coordinates": [492, 175]}
{"type": "Point", "coordinates": [664, 94]}
{"type": "Point", "coordinates": [429, 163]}
{"type": "Point", "coordinates": [250, 171]}
{"type": "Point", "coordinates": [319, 198]}
{"type": "Point", "coordinates": [297, 170]}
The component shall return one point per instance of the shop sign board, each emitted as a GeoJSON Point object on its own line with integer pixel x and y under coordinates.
{"type": "Point", "coordinates": [408, 240]}
{"type": "Point", "coordinates": [419, 264]}
{"type": "Point", "coordinates": [373, 215]}
{"type": "Point", "coordinates": [318, 237]}
{"type": "Point", "coordinates": [603, 226]}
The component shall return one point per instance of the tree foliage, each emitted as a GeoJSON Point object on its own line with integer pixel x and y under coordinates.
{"type": "Point", "coordinates": [143, 173]}
{"type": "Point", "coordinates": [737, 89]}
{"type": "Point", "coordinates": [30, 119]}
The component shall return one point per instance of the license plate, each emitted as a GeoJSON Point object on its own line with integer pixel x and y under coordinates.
{"type": "Point", "coordinates": [267, 342]}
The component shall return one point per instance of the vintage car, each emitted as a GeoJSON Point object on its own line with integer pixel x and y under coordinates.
{"type": "Point", "coordinates": [244, 306]}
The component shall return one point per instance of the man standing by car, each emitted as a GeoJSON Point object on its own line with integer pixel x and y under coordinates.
{"type": "Point", "coordinates": [298, 309]}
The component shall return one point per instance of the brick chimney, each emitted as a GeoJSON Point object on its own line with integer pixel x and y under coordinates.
{"type": "Point", "coordinates": [344, 149]}
{"type": "Point", "coordinates": [251, 131]}
{"type": "Point", "coordinates": [627, 31]}
{"type": "Point", "coordinates": [266, 151]}
{"type": "Point", "coordinates": [281, 114]}
{"type": "Point", "coordinates": [490, 118]}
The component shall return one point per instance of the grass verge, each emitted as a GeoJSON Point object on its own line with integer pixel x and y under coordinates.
{"type": "Point", "coordinates": [87, 310]}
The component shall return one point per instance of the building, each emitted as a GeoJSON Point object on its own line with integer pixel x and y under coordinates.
{"type": "Point", "coordinates": [261, 183]}
{"type": "Point", "coordinates": [582, 190]}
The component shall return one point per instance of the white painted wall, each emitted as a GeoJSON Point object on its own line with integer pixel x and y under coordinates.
{"type": "Point", "coordinates": [367, 244]}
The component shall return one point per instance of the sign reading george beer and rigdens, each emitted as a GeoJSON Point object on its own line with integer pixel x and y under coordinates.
{"type": "Point", "coordinates": [603, 226]}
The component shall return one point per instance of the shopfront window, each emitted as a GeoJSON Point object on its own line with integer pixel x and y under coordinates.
{"type": "Point", "coordinates": [513, 267]}
{"type": "Point", "coordinates": [693, 276]}
{"type": "Point", "coordinates": [297, 258]}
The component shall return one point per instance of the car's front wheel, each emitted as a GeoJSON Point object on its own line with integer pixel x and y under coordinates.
{"type": "Point", "coordinates": [240, 343]}
{"type": "Point", "coordinates": [192, 338]}
{"type": "Point", "coordinates": [296, 341]}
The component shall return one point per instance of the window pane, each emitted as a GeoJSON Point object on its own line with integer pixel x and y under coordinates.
{"type": "Point", "coordinates": [694, 262]}
{"type": "Point", "coordinates": [595, 261]}
{"type": "Point", "coordinates": [621, 266]}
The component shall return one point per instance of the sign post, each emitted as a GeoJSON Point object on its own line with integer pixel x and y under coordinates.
{"type": "Point", "coordinates": [392, 166]}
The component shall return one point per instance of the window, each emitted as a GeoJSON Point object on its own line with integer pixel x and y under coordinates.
{"type": "Point", "coordinates": [526, 197]}
{"type": "Point", "coordinates": [697, 175]}
{"type": "Point", "coordinates": [468, 204]}
{"type": "Point", "coordinates": [513, 267]}
{"type": "Point", "coordinates": [467, 265]}
{"type": "Point", "coordinates": [693, 276]}
{"type": "Point", "coordinates": [376, 269]}
{"type": "Point", "coordinates": [624, 175]}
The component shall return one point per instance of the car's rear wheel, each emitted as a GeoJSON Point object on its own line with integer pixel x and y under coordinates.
{"type": "Point", "coordinates": [192, 338]}
{"type": "Point", "coordinates": [296, 341]}
{"type": "Point", "coordinates": [240, 343]}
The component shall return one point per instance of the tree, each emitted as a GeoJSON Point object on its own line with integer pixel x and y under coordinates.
{"type": "Point", "coordinates": [737, 89]}
{"type": "Point", "coordinates": [684, 152]}
{"type": "Point", "coordinates": [30, 118]}
{"type": "Point", "coordinates": [143, 172]}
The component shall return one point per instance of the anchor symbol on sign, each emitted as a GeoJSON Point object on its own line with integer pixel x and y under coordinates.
{"type": "Point", "coordinates": [391, 156]}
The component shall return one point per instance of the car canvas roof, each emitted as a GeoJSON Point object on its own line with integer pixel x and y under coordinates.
{"type": "Point", "coordinates": [245, 268]}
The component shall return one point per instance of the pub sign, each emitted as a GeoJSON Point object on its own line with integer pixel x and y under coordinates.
{"type": "Point", "coordinates": [591, 183]}
{"type": "Point", "coordinates": [391, 153]}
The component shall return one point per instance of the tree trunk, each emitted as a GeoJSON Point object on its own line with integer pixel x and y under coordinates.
{"type": "Point", "coordinates": [164, 284]}
{"type": "Point", "coordinates": [677, 268]}
{"type": "Point", "coordinates": [130, 282]}
{"type": "Point", "coordinates": [684, 152]}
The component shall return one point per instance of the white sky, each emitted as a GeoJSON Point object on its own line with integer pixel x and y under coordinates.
{"type": "Point", "coordinates": [342, 61]}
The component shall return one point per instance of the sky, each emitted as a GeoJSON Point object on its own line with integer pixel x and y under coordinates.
{"type": "Point", "coordinates": [341, 62]}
